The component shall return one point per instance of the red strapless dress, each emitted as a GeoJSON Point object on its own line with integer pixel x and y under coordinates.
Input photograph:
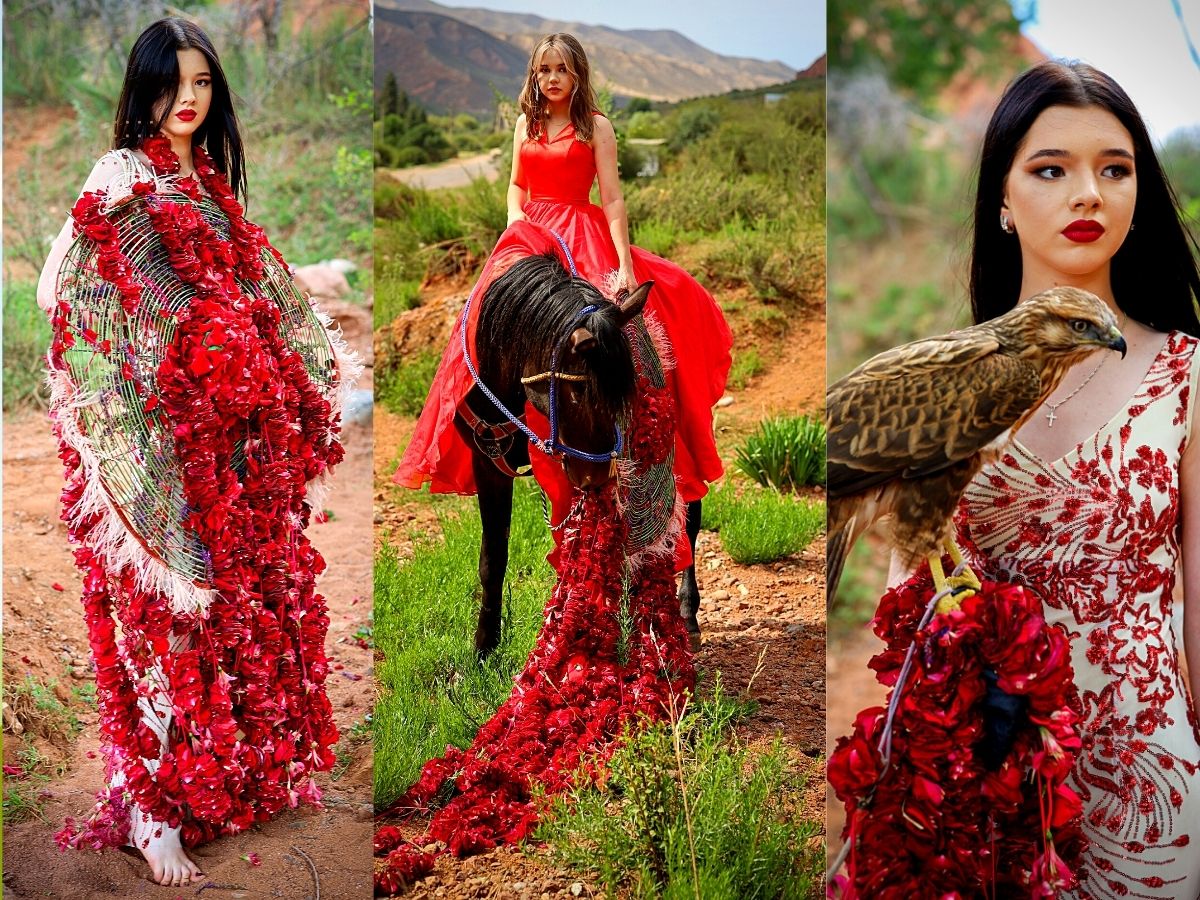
{"type": "Point", "coordinates": [559, 174]}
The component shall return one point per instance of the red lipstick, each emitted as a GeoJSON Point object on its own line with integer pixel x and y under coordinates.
{"type": "Point", "coordinates": [185, 115]}
{"type": "Point", "coordinates": [1083, 231]}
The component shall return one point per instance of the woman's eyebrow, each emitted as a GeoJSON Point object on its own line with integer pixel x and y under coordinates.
{"type": "Point", "coordinates": [1053, 153]}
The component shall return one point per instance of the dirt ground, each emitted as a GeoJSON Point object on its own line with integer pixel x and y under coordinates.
{"type": "Point", "coordinates": [776, 610]}
{"type": "Point", "coordinates": [304, 853]}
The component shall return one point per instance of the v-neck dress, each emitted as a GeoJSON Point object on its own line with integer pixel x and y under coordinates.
{"type": "Point", "coordinates": [1096, 533]}
{"type": "Point", "coordinates": [558, 175]}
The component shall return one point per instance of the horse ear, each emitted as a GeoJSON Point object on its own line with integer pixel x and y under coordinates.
{"type": "Point", "coordinates": [632, 304]}
{"type": "Point", "coordinates": [582, 341]}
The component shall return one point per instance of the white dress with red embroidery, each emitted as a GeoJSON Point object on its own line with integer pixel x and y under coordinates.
{"type": "Point", "coordinates": [1097, 534]}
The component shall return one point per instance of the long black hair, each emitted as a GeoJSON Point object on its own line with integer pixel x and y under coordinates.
{"type": "Point", "coordinates": [151, 81]}
{"type": "Point", "coordinates": [1154, 274]}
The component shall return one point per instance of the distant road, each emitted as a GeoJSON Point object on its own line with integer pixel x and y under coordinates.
{"type": "Point", "coordinates": [451, 173]}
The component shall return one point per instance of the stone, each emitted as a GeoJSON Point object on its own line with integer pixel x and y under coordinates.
{"type": "Point", "coordinates": [322, 281]}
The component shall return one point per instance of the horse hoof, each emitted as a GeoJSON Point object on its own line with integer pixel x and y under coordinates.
{"type": "Point", "coordinates": [694, 641]}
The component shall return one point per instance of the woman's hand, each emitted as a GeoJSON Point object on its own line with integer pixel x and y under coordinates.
{"type": "Point", "coordinates": [628, 281]}
{"type": "Point", "coordinates": [515, 215]}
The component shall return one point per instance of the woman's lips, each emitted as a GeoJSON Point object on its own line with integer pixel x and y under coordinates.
{"type": "Point", "coordinates": [1083, 231]}
{"type": "Point", "coordinates": [186, 115]}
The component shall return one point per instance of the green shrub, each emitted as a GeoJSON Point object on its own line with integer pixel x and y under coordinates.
{"type": "Point", "coordinates": [394, 295]}
{"type": "Point", "coordinates": [401, 387]}
{"type": "Point", "coordinates": [747, 364]}
{"type": "Point", "coordinates": [761, 525]}
{"type": "Point", "coordinates": [26, 339]}
{"type": "Point", "coordinates": [687, 813]}
{"type": "Point", "coordinates": [785, 453]}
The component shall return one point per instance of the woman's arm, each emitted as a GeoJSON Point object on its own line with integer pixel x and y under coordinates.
{"type": "Point", "coordinates": [108, 168]}
{"type": "Point", "coordinates": [516, 181]}
{"type": "Point", "coordinates": [1189, 502]}
{"type": "Point", "coordinates": [604, 147]}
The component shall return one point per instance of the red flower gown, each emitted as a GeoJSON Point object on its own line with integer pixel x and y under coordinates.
{"type": "Point", "coordinates": [559, 174]}
{"type": "Point", "coordinates": [1097, 534]}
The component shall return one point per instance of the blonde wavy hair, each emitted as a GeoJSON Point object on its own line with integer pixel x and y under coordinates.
{"type": "Point", "coordinates": [583, 98]}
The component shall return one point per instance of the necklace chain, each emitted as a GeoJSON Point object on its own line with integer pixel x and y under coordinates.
{"type": "Point", "coordinates": [1053, 407]}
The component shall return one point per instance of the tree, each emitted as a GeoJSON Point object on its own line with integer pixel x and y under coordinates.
{"type": "Point", "coordinates": [637, 105]}
{"type": "Point", "coordinates": [921, 53]}
{"type": "Point", "coordinates": [389, 101]}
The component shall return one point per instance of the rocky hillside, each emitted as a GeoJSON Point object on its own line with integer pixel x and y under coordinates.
{"type": "Point", "coordinates": [451, 59]}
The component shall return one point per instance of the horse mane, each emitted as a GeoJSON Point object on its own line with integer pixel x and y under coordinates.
{"type": "Point", "coordinates": [533, 306]}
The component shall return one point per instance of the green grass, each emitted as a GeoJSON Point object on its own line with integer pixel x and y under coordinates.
{"type": "Point", "coordinates": [433, 690]}
{"type": "Point", "coordinates": [26, 339]}
{"type": "Point", "coordinates": [785, 453]}
{"type": "Point", "coordinates": [686, 812]}
{"type": "Point", "coordinates": [761, 525]}
{"type": "Point", "coordinates": [358, 734]}
{"type": "Point", "coordinates": [747, 364]}
{"type": "Point", "coordinates": [45, 718]}
{"type": "Point", "coordinates": [402, 385]}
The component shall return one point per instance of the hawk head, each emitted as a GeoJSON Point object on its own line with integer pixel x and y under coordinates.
{"type": "Point", "coordinates": [1064, 323]}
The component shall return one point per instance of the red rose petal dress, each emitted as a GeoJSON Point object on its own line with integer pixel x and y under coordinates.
{"type": "Point", "coordinates": [1097, 534]}
{"type": "Point", "coordinates": [559, 174]}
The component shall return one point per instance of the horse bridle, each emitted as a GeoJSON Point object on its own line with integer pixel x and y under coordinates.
{"type": "Point", "coordinates": [551, 446]}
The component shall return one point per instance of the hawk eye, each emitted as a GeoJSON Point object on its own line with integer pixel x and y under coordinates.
{"type": "Point", "coordinates": [1079, 326]}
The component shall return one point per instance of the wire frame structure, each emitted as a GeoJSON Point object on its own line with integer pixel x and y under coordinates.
{"type": "Point", "coordinates": [114, 374]}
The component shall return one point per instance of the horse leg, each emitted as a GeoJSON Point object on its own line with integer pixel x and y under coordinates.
{"type": "Point", "coordinates": [495, 512]}
{"type": "Point", "coordinates": [689, 591]}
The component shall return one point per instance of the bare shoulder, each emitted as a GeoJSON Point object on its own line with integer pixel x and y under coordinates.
{"type": "Point", "coordinates": [602, 127]}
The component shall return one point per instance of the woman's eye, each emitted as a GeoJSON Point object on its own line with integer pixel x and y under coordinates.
{"type": "Point", "coordinates": [1049, 172]}
{"type": "Point", "coordinates": [1117, 170]}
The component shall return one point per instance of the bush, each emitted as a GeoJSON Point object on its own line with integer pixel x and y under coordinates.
{"type": "Point", "coordinates": [761, 525]}
{"type": "Point", "coordinates": [686, 814]}
{"type": "Point", "coordinates": [402, 386]}
{"type": "Point", "coordinates": [26, 339]}
{"type": "Point", "coordinates": [785, 453]}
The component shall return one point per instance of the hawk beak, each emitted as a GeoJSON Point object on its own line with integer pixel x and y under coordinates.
{"type": "Point", "coordinates": [1117, 342]}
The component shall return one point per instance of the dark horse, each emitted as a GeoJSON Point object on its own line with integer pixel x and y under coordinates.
{"type": "Point", "coordinates": [535, 320]}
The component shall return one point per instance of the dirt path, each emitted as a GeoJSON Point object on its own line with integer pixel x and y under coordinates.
{"type": "Point", "coordinates": [45, 637]}
{"type": "Point", "coordinates": [774, 611]}
{"type": "Point", "coordinates": [449, 174]}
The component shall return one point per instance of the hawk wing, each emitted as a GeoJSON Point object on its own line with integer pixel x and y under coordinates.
{"type": "Point", "coordinates": [917, 409]}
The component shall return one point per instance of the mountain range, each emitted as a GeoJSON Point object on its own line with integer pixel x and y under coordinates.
{"type": "Point", "coordinates": [453, 59]}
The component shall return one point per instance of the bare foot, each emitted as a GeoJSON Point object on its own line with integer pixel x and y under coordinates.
{"type": "Point", "coordinates": [169, 864]}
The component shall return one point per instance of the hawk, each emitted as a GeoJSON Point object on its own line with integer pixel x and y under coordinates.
{"type": "Point", "coordinates": [910, 428]}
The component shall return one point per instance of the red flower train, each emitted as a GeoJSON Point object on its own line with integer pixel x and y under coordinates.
{"type": "Point", "coordinates": [928, 813]}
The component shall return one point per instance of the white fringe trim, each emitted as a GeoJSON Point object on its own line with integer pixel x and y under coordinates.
{"type": "Point", "coordinates": [109, 535]}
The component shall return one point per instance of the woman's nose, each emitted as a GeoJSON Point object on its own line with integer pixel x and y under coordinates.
{"type": "Point", "coordinates": [1087, 194]}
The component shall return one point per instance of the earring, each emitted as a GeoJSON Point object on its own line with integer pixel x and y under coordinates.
{"type": "Point", "coordinates": [1006, 225]}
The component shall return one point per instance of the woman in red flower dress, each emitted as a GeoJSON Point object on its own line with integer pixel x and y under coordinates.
{"type": "Point", "coordinates": [562, 145]}
{"type": "Point", "coordinates": [205, 630]}
{"type": "Point", "coordinates": [1096, 505]}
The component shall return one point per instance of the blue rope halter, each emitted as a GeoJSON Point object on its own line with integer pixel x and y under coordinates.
{"type": "Point", "coordinates": [551, 446]}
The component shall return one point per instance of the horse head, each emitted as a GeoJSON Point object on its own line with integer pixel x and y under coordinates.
{"type": "Point", "coordinates": [554, 339]}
